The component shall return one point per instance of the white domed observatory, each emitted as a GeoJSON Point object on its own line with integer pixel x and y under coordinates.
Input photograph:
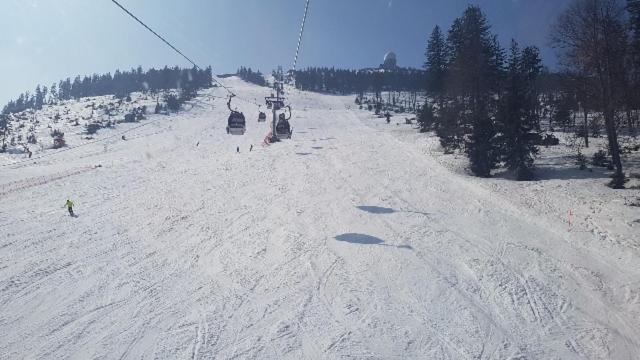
{"type": "Point", "coordinates": [390, 61]}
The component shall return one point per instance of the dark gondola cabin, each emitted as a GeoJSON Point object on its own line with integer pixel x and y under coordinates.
{"type": "Point", "coordinates": [236, 124]}
{"type": "Point", "coordinates": [283, 128]}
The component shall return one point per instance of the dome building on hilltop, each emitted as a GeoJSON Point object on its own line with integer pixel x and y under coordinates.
{"type": "Point", "coordinates": [390, 61]}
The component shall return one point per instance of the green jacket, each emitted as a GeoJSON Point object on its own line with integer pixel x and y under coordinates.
{"type": "Point", "coordinates": [69, 204]}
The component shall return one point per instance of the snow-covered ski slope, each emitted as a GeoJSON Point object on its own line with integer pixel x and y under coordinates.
{"type": "Point", "coordinates": [349, 241]}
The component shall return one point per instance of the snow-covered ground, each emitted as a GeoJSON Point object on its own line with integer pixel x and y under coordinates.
{"type": "Point", "coordinates": [355, 239]}
{"type": "Point", "coordinates": [71, 118]}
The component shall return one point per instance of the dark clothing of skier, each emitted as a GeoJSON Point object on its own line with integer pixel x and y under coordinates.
{"type": "Point", "coordinates": [238, 149]}
{"type": "Point", "coordinates": [251, 148]}
{"type": "Point", "coordinates": [69, 205]}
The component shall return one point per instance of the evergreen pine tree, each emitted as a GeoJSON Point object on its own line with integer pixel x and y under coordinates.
{"type": "Point", "coordinates": [480, 146]}
{"type": "Point", "coordinates": [436, 64]}
{"type": "Point", "coordinates": [426, 118]}
{"type": "Point", "coordinates": [633, 8]}
{"type": "Point", "coordinates": [4, 130]}
{"type": "Point", "coordinates": [29, 101]}
{"type": "Point", "coordinates": [473, 78]}
{"type": "Point", "coordinates": [517, 118]}
{"type": "Point", "coordinates": [38, 98]}
{"type": "Point", "coordinates": [208, 77]}
{"type": "Point", "coordinates": [448, 127]}
{"type": "Point", "coordinates": [45, 93]}
{"type": "Point", "coordinates": [20, 103]}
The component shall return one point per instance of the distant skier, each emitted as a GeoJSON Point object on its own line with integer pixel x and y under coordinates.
{"type": "Point", "coordinates": [69, 205]}
{"type": "Point", "coordinates": [251, 148]}
{"type": "Point", "coordinates": [238, 149]}
{"type": "Point", "coordinates": [124, 138]}
{"type": "Point", "coordinates": [388, 116]}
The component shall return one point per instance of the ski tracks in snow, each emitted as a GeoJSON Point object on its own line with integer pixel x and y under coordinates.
{"type": "Point", "coordinates": [343, 242]}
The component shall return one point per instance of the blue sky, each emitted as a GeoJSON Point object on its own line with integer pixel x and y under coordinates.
{"type": "Point", "coordinates": [47, 40]}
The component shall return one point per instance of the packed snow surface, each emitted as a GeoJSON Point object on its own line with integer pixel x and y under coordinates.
{"type": "Point", "coordinates": [353, 240]}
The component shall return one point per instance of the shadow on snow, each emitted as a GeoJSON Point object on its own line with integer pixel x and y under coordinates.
{"type": "Point", "coordinates": [363, 239]}
{"type": "Point", "coordinates": [378, 210]}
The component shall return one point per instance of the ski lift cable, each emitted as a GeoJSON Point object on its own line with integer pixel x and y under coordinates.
{"type": "Point", "coordinates": [304, 21]}
{"type": "Point", "coordinates": [155, 33]}
{"type": "Point", "coordinates": [171, 45]}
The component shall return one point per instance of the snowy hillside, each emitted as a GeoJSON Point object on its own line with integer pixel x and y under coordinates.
{"type": "Point", "coordinates": [354, 239]}
{"type": "Point", "coordinates": [72, 118]}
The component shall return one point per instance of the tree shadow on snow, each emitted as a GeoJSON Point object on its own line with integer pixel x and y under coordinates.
{"type": "Point", "coordinates": [556, 173]}
{"type": "Point", "coordinates": [378, 210]}
{"type": "Point", "coordinates": [544, 172]}
{"type": "Point", "coordinates": [363, 239]}
{"type": "Point", "coordinates": [561, 167]}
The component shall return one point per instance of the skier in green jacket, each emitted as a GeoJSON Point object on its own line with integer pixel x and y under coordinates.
{"type": "Point", "coordinates": [69, 205]}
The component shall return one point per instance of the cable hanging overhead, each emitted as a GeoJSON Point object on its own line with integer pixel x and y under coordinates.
{"type": "Point", "coordinates": [304, 20]}
{"type": "Point", "coordinates": [231, 93]}
{"type": "Point", "coordinates": [168, 43]}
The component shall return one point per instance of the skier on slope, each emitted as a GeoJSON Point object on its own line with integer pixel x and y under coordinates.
{"type": "Point", "coordinates": [69, 205]}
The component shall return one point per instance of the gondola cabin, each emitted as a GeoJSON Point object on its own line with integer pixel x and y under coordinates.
{"type": "Point", "coordinates": [283, 128]}
{"type": "Point", "coordinates": [236, 124]}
